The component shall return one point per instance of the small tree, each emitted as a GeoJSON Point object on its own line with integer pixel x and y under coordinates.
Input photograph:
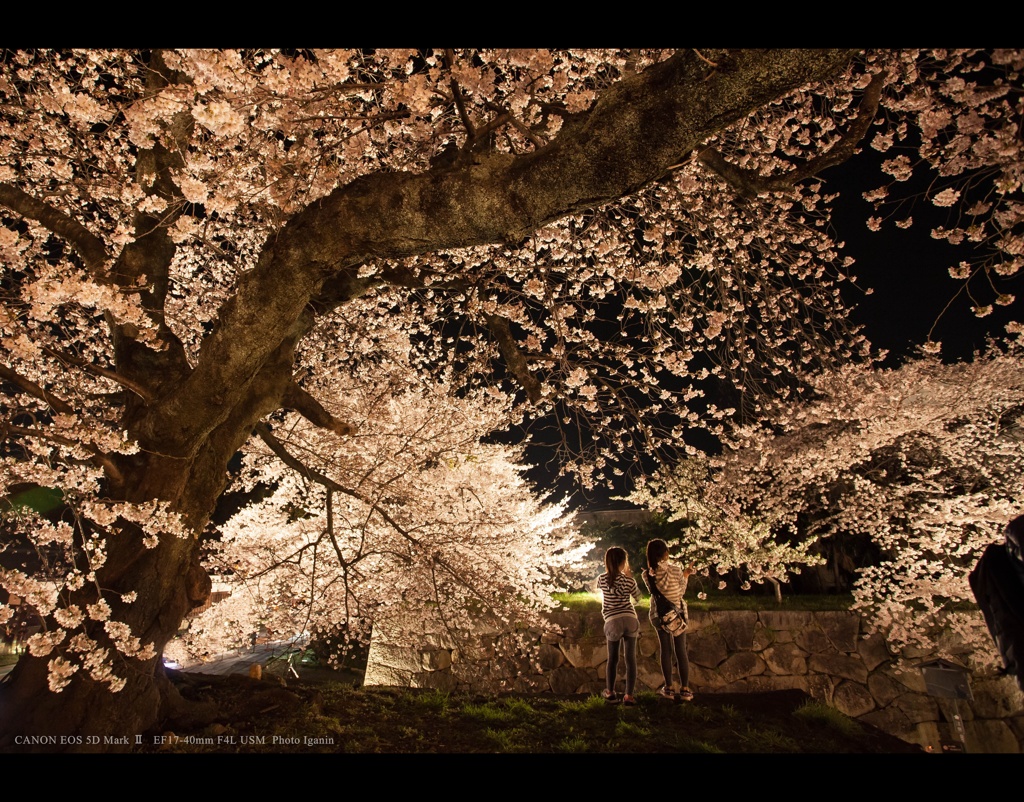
{"type": "Point", "coordinates": [410, 519]}
{"type": "Point", "coordinates": [720, 532]}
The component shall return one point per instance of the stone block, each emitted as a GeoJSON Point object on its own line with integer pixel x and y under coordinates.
{"type": "Point", "coordinates": [647, 645]}
{"type": "Point", "coordinates": [764, 683]}
{"type": "Point", "coordinates": [736, 627]}
{"type": "Point", "coordinates": [893, 721]}
{"type": "Point", "coordinates": [842, 628]}
{"type": "Point", "coordinates": [819, 687]}
{"type": "Point", "coordinates": [443, 640]}
{"type": "Point", "coordinates": [853, 699]}
{"type": "Point", "coordinates": [873, 651]}
{"type": "Point", "coordinates": [785, 658]}
{"type": "Point", "coordinates": [435, 659]}
{"type": "Point", "coordinates": [1016, 723]}
{"type": "Point", "coordinates": [741, 665]}
{"type": "Point", "coordinates": [917, 707]}
{"type": "Point", "coordinates": [566, 680]}
{"type": "Point", "coordinates": [550, 657]}
{"type": "Point", "coordinates": [839, 665]}
{"type": "Point", "coordinates": [813, 640]}
{"type": "Point", "coordinates": [586, 653]}
{"type": "Point", "coordinates": [437, 680]}
{"type": "Point", "coordinates": [648, 677]}
{"type": "Point", "coordinates": [991, 736]}
{"type": "Point", "coordinates": [535, 683]}
{"type": "Point", "coordinates": [473, 650]}
{"type": "Point", "coordinates": [390, 665]}
{"type": "Point", "coordinates": [705, 679]}
{"type": "Point", "coordinates": [570, 622]}
{"type": "Point", "coordinates": [996, 697]}
{"type": "Point", "coordinates": [883, 688]}
{"type": "Point", "coordinates": [786, 621]}
{"type": "Point", "coordinates": [707, 647]}
{"type": "Point", "coordinates": [763, 637]}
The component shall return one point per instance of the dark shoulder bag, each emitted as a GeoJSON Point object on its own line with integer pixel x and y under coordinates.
{"type": "Point", "coordinates": [668, 617]}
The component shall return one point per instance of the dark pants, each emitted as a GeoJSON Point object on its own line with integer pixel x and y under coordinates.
{"type": "Point", "coordinates": [612, 669]}
{"type": "Point", "coordinates": [676, 646]}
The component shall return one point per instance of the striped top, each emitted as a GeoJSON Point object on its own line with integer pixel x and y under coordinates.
{"type": "Point", "coordinates": [671, 582]}
{"type": "Point", "coordinates": [617, 597]}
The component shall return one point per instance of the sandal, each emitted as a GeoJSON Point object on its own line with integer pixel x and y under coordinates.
{"type": "Point", "coordinates": [686, 695]}
{"type": "Point", "coordinates": [610, 697]}
{"type": "Point", "coordinates": [628, 700]}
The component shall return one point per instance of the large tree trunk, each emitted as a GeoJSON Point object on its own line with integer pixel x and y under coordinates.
{"type": "Point", "coordinates": [46, 721]}
{"type": "Point", "coordinates": [168, 581]}
{"type": "Point", "coordinates": [197, 418]}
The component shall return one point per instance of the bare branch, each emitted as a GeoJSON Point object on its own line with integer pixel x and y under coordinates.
{"type": "Point", "coordinates": [506, 116]}
{"type": "Point", "coordinates": [275, 445]}
{"type": "Point", "coordinates": [703, 58]}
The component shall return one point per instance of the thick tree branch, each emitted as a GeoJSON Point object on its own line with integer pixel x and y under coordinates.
{"type": "Point", "coordinates": [88, 245]}
{"type": "Point", "coordinates": [635, 131]}
{"type": "Point", "coordinates": [312, 410]}
{"type": "Point", "coordinates": [98, 370]}
{"type": "Point", "coordinates": [515, 361]}
{"type": "Point", "coordinates": [460, 103]}
{"type": "Point", "coordinates": [33, 389]}
{"type": "Point", "coordinates": [98, 458]}
{"type": "Point", "coordinates": [749, 184]}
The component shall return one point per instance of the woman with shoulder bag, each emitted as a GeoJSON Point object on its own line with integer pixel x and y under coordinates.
{"type": "Point", "coordinates": [667, 583]}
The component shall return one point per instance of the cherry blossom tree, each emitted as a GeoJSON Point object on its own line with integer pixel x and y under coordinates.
{"type": "Point", "coordinates": [411, 519]}
{"type": "Point", "coordinates": [723, 529]}
{"type": "Point", "coordinates": [189, 238]}
{"type": "Point", "coordinates": [926, 460]}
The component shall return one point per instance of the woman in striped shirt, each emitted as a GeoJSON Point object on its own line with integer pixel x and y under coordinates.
{"type": "Point", "coordinates": [618, 592]}
{"type": "Point", "coordinates": [671, 583]}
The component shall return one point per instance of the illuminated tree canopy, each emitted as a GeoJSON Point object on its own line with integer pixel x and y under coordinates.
{"type": "Point", "coordinates": [212, 252]}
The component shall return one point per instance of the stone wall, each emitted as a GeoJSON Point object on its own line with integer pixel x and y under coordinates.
{"type": "Point", "coordinates": [826, 654]}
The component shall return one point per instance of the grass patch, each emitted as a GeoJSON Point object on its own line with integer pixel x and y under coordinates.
{"type": "Point", "coordinates": [333, 717]}
{"type": "Point", "coordinates": [582, 705]}
{"type": "Point", "coordinates": [769, 740]}
{"type": "Point", "coordinates": [628, 729]}
{"type": "Point", "coordinates": [510, 740]}
{"type": "Point", "coordinates": [576, 745]}
{"type": "Point", "coordinates": [696, 746]}
{"type": "Point", "coordinates": [435, 701]}
{"type": "Point", "coordinates": [821, 713]}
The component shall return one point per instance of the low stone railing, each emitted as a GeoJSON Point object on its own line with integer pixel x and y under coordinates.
{"type": "Point", "coordinates": [826, 654]}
